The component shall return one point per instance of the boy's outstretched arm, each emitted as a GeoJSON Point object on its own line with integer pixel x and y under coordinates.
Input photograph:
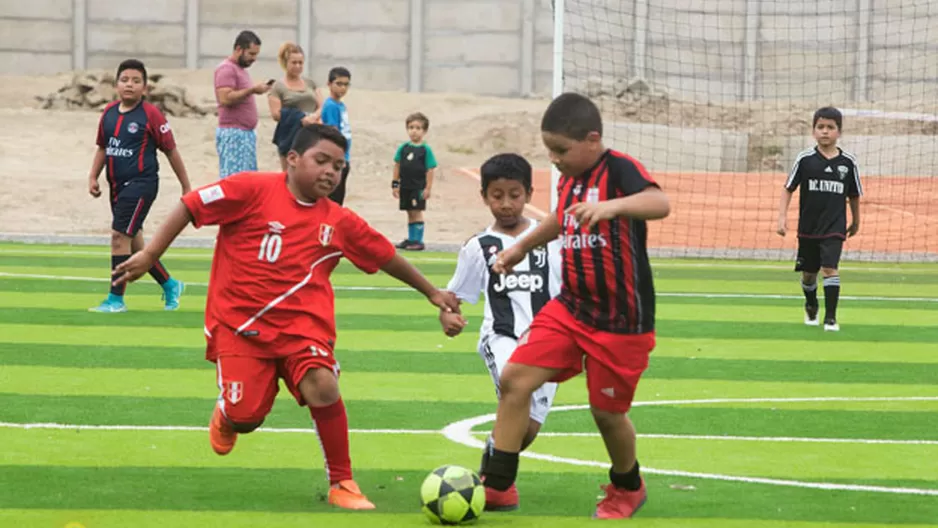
{"type": "Point", "coordinates": [783, 204]}
{"type": "Point", "coordinates": [97, 165]}
{"type": "Point", "coordinates": [545, 232]}
{"type": "Point", "coordinates": [650, 204]}
{"type": "Point", "coordinates": [143, 260]}
{"type": "Point", "coordinates": [854, 215]}
{"type": "Point", "coordinates": [402, 270]}
{"type": "Point", "coordinates": [175, 161]}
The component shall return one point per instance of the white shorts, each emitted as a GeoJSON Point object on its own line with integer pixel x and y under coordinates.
{"type": "Point", "coordinates": [496, 350]}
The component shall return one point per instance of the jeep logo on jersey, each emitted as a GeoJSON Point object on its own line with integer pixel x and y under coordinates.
{"type": "Point", "coordinates": [519, 281]}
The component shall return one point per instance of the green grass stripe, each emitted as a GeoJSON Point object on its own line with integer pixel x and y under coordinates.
{"type": "Point", "coordinates": [347, 275]}
{"type": "Point", "coordinates": [804, 461]}
{"type": "Point", "coordinates": [808, 461]}
{"type": "Point", "coordinates": [461, 363]}
{"type": "Point", "coordinates": [783, 264]}
{"type": "Point", "coordinates": [145, 287]}
{"type": "Point", "coordinates": [853, 312]}
{"type": "Point", "coordinates": [395, 491]}
{"type": "Point", "coordinates": [164, 518]}
{"type": "Point", "coordinates": [182, 383]}
{"type": "Point", "coordinates": [387, 414]}
{"type": "Point", "coordinates": [352, 277]}
{"type": "Point", "coordinates": [431, 267]}
{"type": "Point", "coordinates": [128, 410]}
{"type": "Point", "coordinates": [793, 350]}
{"type": "Point", "coordinates": [427, 320]}
{"type": "Point", "coordinates": [133, 336]}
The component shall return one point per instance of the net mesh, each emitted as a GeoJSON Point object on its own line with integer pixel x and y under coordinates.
{"type": "Point", "coordinates": [716, 97]}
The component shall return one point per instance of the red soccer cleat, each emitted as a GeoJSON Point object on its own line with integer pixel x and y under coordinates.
{"type": "Point", "coordinates": [620, 503]}
{"type": "Point", "coordinates": [220, 433]}
{"type": "Point", "coordinates": [501, 500]}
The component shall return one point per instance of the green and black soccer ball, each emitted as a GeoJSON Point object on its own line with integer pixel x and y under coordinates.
{"type": "Point", "coordinates": [452, 495]}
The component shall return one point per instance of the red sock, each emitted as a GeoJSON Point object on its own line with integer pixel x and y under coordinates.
{"type": "Point", "coordinates": [332, 428]}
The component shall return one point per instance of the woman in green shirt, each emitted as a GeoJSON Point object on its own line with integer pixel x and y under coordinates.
{"type": "Point", "coordinates": [293, 91]}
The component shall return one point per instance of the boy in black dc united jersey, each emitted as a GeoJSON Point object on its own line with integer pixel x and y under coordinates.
{"type": "Point", "coordinates": [827, 178]}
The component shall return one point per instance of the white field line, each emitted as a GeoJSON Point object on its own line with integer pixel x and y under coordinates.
{"type": "Point", "coordinates": [277, 430]}
{"type": "Point", "coordinates": [39, 276]}
{"type": "Point", "coordinates": [462, 433]}
{"type": "Point", "coordinates": [670, 264]}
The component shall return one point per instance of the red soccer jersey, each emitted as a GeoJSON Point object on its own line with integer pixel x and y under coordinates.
{"type": "Point", "coordinates": [273, 257]}
{"type": "Point", "coordinates": [607, 280]}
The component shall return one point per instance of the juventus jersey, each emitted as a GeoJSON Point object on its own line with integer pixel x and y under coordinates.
{"type": "Point", "coordinates": [511, 300]}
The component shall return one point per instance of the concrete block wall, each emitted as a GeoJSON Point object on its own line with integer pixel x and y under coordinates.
{"type": "Point", "coordinates": [714, 50]}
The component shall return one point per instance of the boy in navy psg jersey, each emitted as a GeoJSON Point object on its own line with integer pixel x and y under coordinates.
{"type": "Point", "coordinates": [129, 133]}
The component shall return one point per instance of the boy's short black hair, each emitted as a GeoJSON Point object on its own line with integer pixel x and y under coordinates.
{"type": "Point", "coordinates": [420, 118]}
{"type": "Point", "coordinates": [506, 167]}
{"type": "Point", "coordinates": [132, 64]}
{"type": "Point", "coordinates": [339, 71]}
{"type": "Point", "coordinates": [245, 39]}
{"type": "Point", "coordinates": [573, 116]}
{"type": "Point", "coordinates": [828, 112]}
{"type": "Point", "coordinates": [308, 136]}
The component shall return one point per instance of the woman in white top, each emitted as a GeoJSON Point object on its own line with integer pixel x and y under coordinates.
{"type": "Point", "coordinates": [293, 91]}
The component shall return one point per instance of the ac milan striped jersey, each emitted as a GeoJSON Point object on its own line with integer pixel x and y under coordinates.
{"type": "Point", "coordinates": [130, 140]}
{"type": "Point", "coordinates": [607, 280]}
{"type": "Point", "coordinates": [270, 278]}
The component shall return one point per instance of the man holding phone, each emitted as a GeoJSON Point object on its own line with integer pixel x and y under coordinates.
{"type": "Point", "coordinates": [235, 137]}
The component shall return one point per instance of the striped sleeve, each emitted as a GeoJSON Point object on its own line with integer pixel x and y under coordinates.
{"type": "Point", "coordinates": [855, 187]}
{"type": "Point", "coordinates": [794, 177]}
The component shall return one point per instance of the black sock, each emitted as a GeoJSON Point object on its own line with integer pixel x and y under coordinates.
{"type": "Point", "coordinates": [117, 260]}
{"type": "Point", "coordinates": [489, 445]}
{"type": "Point", "coordinates": [810, 292]}
{"type": "Point", "coordinates": [501, 469]}
{"type": "Point", "coordinates": [630, 480]}
{"type": "Point", "coordinates": [159, 273]}
{"type": "Point", "coordinates": [831, 296]}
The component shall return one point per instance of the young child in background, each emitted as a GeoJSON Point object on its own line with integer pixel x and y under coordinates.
{"type": "Point", "coordinates": [414, 164]}
{"type": "Point", "coordinates": [335, 113]}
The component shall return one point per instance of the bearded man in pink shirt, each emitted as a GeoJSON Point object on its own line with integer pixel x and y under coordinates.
{"type": "Point", "coordinates": [235, 138]}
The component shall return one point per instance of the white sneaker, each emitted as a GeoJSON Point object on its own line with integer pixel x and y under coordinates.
{"type": "Point", "coordinates": [810, 315]}
{"type": "Point", "coordinates": [830, 325]}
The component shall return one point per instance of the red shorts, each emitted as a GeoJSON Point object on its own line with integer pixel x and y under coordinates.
{"type": "Point", "coordinates": [613, 362]}
{"type": "Point", "coordinates": [249, 384]}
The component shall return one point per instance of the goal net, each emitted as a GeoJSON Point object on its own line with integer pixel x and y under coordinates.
{"type": "Point", "coordinates": [716, 97]}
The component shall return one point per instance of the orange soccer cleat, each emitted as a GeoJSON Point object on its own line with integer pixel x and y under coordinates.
{"type": "Point", "coordinates": [220, 433]}
{"type": "Point", "coordinates": [346, 494]}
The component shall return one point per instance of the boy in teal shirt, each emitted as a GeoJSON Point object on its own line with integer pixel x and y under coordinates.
{"type": "Point", "coordinates": [414, 164]}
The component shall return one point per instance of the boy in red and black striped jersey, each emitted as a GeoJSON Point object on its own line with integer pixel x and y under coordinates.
{"type": "Point", "coordinates": [129, 133]}
{"type": "Point", "coordinates": [604, 318]}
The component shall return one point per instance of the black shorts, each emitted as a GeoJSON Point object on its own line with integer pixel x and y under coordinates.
{"type": "Point", "coordinates": [412, 200]}
{"type": "Point", "coordinates": [817, 253]}
{"type": "Point", "coordinates": [132, 204]}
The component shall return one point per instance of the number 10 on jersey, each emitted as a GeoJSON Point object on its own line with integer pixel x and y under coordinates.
{"type": "Point", "coordinates": [271, 245]}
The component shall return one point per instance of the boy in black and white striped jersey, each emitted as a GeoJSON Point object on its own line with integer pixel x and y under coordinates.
{"type": "Point", "coordinates": [511, 300]}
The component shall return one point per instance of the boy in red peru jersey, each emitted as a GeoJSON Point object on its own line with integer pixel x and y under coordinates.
{"type": "Point", "coordinates": [270, 307]}
{"type": "Point", "coordinates": [603, 320]}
